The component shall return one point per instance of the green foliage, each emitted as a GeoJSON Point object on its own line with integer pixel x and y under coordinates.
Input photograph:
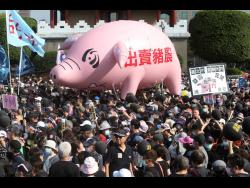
{"type": "Point", "coordinates": [234, 71]}
{"type": "Point", "coordinates": [14, 51]}
{"type": "Point", "coordinates": [44, 64]}
{"type": "Point", "coordinates": [221, 35]}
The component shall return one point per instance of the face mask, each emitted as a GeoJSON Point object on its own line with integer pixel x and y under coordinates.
{"type": "Point", "coordinates": [208, 146]}
{"type": "Point", "coordinates": [107, 132]}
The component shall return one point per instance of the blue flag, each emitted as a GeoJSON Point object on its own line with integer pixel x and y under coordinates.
{"type": "Point", "coordinates": [20, 34]}
{"type": "Point", "coordinates": [27, 66]}
{"type": "Point", "coordinates": [4, 66]}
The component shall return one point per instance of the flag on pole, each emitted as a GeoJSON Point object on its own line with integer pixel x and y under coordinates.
{"type": "Point", "coordinates": [26, 66]}
{"type": "Point", "coordinates": [60, 55]}
{"type": "Point", "coordinates": [4, 66]}
{"type": "Point", "coordinates": [20, 34]}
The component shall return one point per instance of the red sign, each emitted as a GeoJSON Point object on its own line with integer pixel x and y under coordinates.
{"type": "Point", "coordinates": [146, 56]}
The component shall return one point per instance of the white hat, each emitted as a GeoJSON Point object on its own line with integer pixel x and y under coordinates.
{"type": "Point", "coordinates": [122, 173]}
{"type": "Point", "coordinates": [170, 122]}
{"type": "Point", "coordinates": [86, 122]}
{"type": "Point", "coordinates": [90, 166]}
{"type": "Point", "coordinates": [40, 124]}
{"type": "Point", "coordinates": [222, 121]}
{"type": "Point", "coordinates": [3, 134]}
{"type": "Point", "coordinates": [51, 144]}
{"type": "Point", "coordinates": [143, 126]}
{"type": "Point", "coordinates": [38, 98]}
{"type": "Point", "coordinates": [104, 125]}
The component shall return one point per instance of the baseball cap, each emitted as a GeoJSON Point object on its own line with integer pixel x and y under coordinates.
{"type": "Point", "coordinates": [89, 142]}
{"type": "Point", "coordinates": [143, 126]}
{"type": "Point", "coordinates": [121, 133]}
{"type": "Point", "coordinates": [219, 165]}
{"type": "Point", "coordinates": [3, 134]}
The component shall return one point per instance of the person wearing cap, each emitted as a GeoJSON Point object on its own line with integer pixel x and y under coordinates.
{"type": "Point", "coordinates": [105, 132]}
{"type": "Point", "coordinates": [219, 169]}
{"type": "Point", "coordinates": [167, 135]}
{"type": "Point", "coordinates": [89, 168]}
{"type": "Point", "coordinates": [65, 167]}
{"type": "Point", "coordinates": [50, 155]}
{"type": "Point", "coordinates": [119, 155]}
{"type": "Point", "coordinates": [90, 147]}
{"type": "Point", "coordinates": [143, 128]}
{"type": "Point", "coordinates": [86, 130]}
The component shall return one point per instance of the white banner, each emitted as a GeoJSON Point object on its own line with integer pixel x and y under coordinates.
{"type": "Point", "coordinates": [209, 79]}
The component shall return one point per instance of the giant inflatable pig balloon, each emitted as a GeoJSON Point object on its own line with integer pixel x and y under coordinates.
{"type": "Point", "coordinates": [129, 55]}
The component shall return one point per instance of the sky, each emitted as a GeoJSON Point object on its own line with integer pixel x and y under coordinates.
{"type": "Point", "coordinates": [38, 14]}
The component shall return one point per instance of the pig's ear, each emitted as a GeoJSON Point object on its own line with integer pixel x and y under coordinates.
{"type": "Point", "coordinates": [121, 54]}
{"type": "Point", "coordinates": [69, 41]}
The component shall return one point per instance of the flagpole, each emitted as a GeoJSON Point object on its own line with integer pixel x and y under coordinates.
{"type": "Point", "coordinates": [20, 63]}
{"type": "Point", "coordinates": [8, 49]}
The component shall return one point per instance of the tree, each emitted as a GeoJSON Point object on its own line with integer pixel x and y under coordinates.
{"type": "Point", "coordinates": [221, 36]}
{"type": "Point", "coordinates": [14, 51]}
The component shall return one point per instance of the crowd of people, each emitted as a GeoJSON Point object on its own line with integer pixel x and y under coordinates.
{"type": "Point", "coordinates": [63, 132]}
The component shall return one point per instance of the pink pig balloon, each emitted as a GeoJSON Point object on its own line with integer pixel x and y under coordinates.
{"type": "Point", "coordinates": [129, 55]}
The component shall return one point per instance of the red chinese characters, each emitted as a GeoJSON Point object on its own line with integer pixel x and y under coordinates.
{"type": "Point", "coordinates": [146, 56]}
{"type": "Point", "coordinates": [132, 60]}
{"type": "Point", "coordinates": [168, 55]}
{"type": "Point", "coordinates": [157, 56]}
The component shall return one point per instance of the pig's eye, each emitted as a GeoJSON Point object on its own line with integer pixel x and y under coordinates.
{"type": "Point", "coordinates": [92, 61]}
